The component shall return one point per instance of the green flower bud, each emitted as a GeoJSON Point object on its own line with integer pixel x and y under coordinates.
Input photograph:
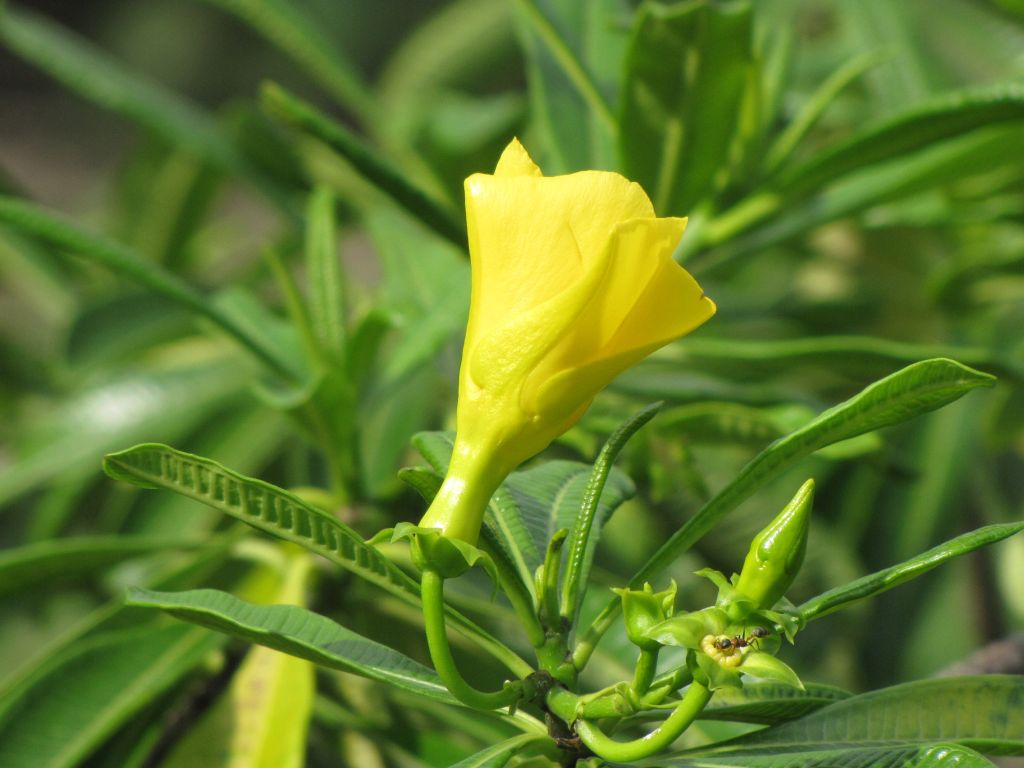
{"type": "Point", "coordinates": [777, 552]}
{"type": "Point", "coordinates": [643, 609]}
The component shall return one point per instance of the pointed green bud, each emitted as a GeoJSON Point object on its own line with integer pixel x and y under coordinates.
{"type": "Point", "coordinates": [643, 609]}
{"type": "Point", "coordinates": [777, 552]}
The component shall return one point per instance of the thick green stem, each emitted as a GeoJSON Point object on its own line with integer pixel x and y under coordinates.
{"type": "Point", "coordinates": [432, 592]}
{"type": "Point", "coordinates": [646, 666]}
{"type": "Point", "coordinates": [667, 684]}
{"type": "Point", "coordinates": [697, 697]}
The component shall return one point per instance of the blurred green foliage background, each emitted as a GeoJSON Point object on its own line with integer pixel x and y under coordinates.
{"type": "Point", "coordinates": [854, 174]}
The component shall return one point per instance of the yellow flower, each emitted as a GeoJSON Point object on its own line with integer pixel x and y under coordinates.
{"type": "Point", "coordinates": [573, 281]}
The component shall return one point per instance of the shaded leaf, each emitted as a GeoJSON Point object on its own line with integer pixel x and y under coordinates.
{"type": "Point", "coordinates": [298, 632]}
{"type": "Point", "coordinates": [771, 703]}
{"type": "Point", "coordinates": [80, 702]}
{"type": "Point", "coordinates": [984, 713]}
{"type": "Point", "coordinates": [688, 68]}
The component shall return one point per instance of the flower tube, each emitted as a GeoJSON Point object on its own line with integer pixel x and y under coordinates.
{"type": "Point", "coordinates": [573, 282]}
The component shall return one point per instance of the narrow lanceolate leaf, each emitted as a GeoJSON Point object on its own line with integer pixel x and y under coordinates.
{"type": "Point", "coordinates": [984, 713]}
{"type": "Point", "coordinates": [374, 167]}
{"type": "Point", "coordinates": [573, 55]}
{"type": "Point", "coordinates": [23, 568]}
{"type": "Point", "coordinates": [917, 129]}
{"type": "Point", "coordinates": [62, 233]}
{"type": "Point", "coordinates": [298, 632]}
{"type": "Point", "coordinates": [688, 68]}
{"type": "Point", "coordinates": [286, 26]}
{"type": "Point", "coordinates": [770, 703]}
{"type": "Point", "coordinates": [583, 534]}
{"type": "Point", "coordinates": [261, 505]}
{"type": "Point", "coordinates": [325, 275]}
{"type": "Point", "coordinates": [815, 107]}
{"type": "Point", "coordinates": [91, 73]}
{"type": "Point", "coordinates": [880, 581]}
{"type": "Point", "coordinates": [282, 514]}
{"type": "Point", "coordinates": [916, 389]}
{"type": "Point", "coordinates": [930, 756]}
{"type": "Point", "coordinates": [70, 711]}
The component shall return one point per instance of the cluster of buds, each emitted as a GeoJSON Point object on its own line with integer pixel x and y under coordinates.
{"type": "Point", "coordinates": [739, 635]}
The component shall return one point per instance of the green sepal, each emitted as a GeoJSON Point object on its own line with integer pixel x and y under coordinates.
{"type": "Point", "coordinates": [688, 629]}
{"type": "Point", "coordinates": [736, 605]}
{"type": "Point", "coordinates": [644, 609]}
{"type": "Point", "coordinates": [432, 550]}
{"type": "Point", "coordinates": [764, 666]}
{"type": "Point", "coordinates": [382, 536]}
{"type": "Point", "coordinates": [784, 615]}
{"type": "Point", "coordinates": [717, 676]}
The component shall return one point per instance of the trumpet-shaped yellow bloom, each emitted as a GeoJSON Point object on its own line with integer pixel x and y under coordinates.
{"type": "Point", "coordinates": [573, 281]}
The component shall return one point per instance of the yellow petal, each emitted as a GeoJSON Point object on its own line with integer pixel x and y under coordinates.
{"type": "Point", "coordinates": [516, 161]}
{"type": "Point", "coordinates": [530, 238]}
{"type": "Point", "coordinates": [608, 339]}
{"type": "Point", "coordinates": [638, 249]}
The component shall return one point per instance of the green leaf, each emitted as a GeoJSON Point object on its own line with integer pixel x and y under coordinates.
{"type": "Point", "coordinates": [299, 632]}
{"type": "Point", "coordinates": [984, 713]}
{"type": "Point", "coordinates": [916, 389]}
{"type": "Point", "coordinates": [261, 505]}
{"type": "Point", "coordinates": [69, 559]}
{"type": "Point", "coordinates": [164, 404]}
{"type": "Point", "coordinates": [950, 162]}
{"type": "Point", "coordinates": [771, 703]}
{"type": "Point", "coordinates": [880, 581]}
{"type": "Point", "coordinates": [376, 168]}
{"type": "Point", "coordinates": [583, 535]}
{"type": "Point", "coordinates": [69, 713]}
{"type": "Point", "coordinates": [816, 105]}
{"type": "Point", "coordinates": [325, 277]}
{"type": "Point", "coordinates": [498, 755]}
{"type": "Point", "coordinates": [850, 353]}
{"type": "Point", "coordinates": [282, 514]}
{"type": "Point", "coordinates": [688, 69]}
{"type": "Point", "coordinates": [89, 72]}
{"type": "Point", "coordinates": [287, 27]}
{"type": "Point", "coordinates": [930, 756]}
{"type": "Point", "coordinates": [950, 116]}
{"type": "Point", "coordinates": [425, 481]}
{"type": "Point", "coordinates": [62, 233]}
{"type": "Point", "coordinates": [573, 51]}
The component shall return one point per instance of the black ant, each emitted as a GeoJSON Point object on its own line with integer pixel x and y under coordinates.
{"type": "Point", "coordinates": [742, 641]}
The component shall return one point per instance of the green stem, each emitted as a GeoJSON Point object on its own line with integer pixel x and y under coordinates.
{"type": "Point", "coordinates": [517, 594]}
{"type": "Point", "coordinates": [432, 591]}
{"type": "Point", "coordinates": [667, 684]}
{"type": "Point", "coordinates": [646, 666]}
{"type": "Point", "coordinates": [657, 740]}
